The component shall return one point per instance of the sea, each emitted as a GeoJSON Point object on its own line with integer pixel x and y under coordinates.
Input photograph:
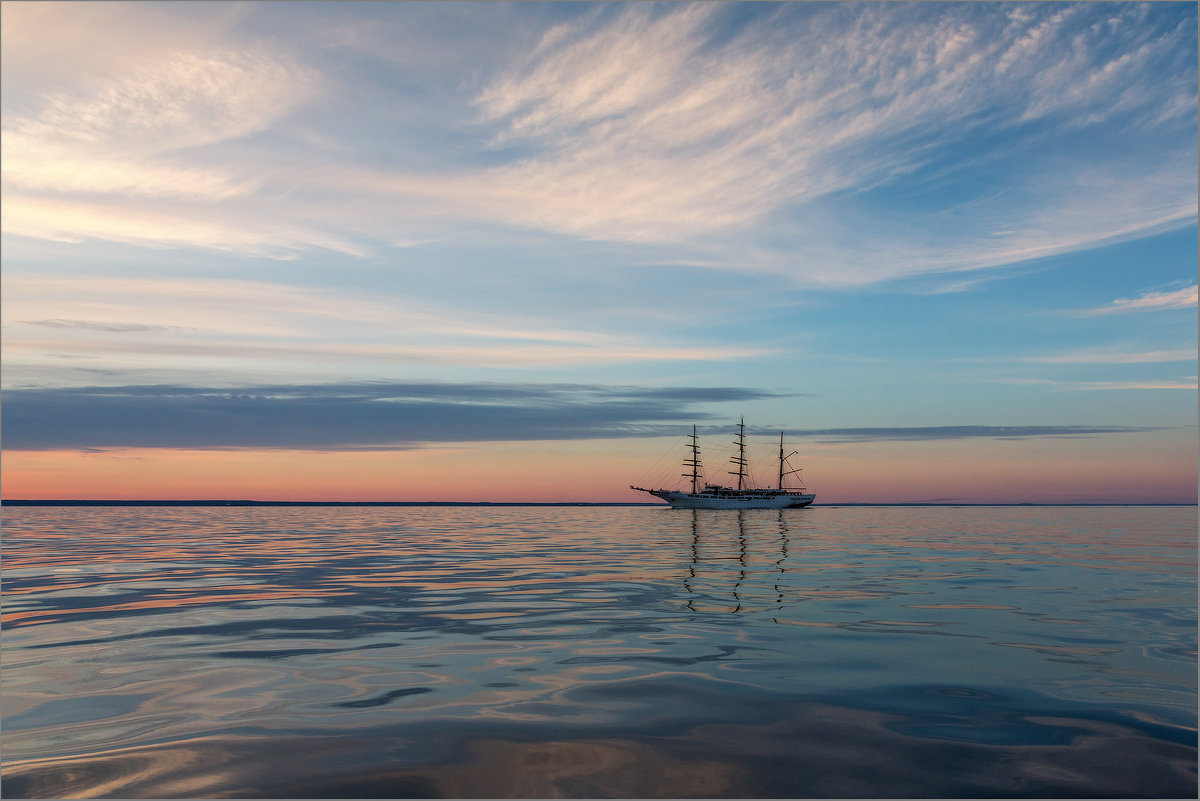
{"type": "Point", "coordinates": [599, 651]}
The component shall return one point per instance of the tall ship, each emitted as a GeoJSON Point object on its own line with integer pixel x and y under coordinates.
{"type": "Point", "coordinates": [714, 496]}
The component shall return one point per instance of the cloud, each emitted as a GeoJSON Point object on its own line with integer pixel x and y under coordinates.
{"type": "Point", "coordinates": [128, 150]}
{"type": "Point", "coordinates": [119, 138]}
{"type": "Point", "coordinates": [49, 46]}
{"type": "Point", "coordinates": [313, 353]}
{"type": "Point", "coordinates": [396, 415]}
{"type": "Point", "coordinates": [1097, 386]}
{"type": "Point", "coordinates": [647, 125]}
{"type": "Point", "coordinates": [1151, 300]}
{"type": "Point", "coordinates": [817, 142]}
{"type": "Point", "coordinates": [930, 433]}
{"type": "Point", "coordinates": [166, 226]}
{"type": "Point", "coordinates": [1182, 383]}
{"type": "Point", "coordinates": [1116, 357]}
{"type": "Point", "coordinates": [214, 305]}
{"type": "Point", "coordinates": [383, 415]}
{"type": "Point", "coordinates": [249, 322]}
{"type": "Point", "coordinates": [88, 325]}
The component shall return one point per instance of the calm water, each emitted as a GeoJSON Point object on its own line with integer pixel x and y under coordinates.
{"type": "Point", "coordinates": [599, 651]}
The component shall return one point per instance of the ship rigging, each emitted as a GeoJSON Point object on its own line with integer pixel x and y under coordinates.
{"type": "Point", "coordinates": [714, 496]}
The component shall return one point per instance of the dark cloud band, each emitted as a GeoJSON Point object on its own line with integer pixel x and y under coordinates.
{"type": "Point", "coordinates": [924, 433]}
{"type": "Point", "coordinates": [395, 415]}
{"type": "Point", "coordinates": [345, 416]}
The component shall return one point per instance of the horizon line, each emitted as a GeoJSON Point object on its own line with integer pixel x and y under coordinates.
{"type": "Point", "coordinates": [247, 502]}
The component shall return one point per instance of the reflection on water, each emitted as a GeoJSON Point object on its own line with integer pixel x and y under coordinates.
{"type": "Point", "coordinates": [708, 575]}
{"type": "Point", "coordinates": [636, 652]}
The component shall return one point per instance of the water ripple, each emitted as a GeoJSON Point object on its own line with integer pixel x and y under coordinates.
{"type": "Point", "coordinates": [599, 651]}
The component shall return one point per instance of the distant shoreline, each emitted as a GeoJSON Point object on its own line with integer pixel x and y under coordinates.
{"type": "Point", "coordinates": [84, 502]}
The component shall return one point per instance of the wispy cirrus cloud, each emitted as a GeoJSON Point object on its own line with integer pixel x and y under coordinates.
{"type": "Point", "coordinates": [243, 354]}
{"type": "Point", "coordinates": [173, 225]}
{"type": "Point", "coordinates": [1150, 300]}
{"type": "Point", "coordinates": [683, 131]}
{"type": "Point", "coordinates": [92, 325]}
{"type": "Point", "coordinates": [1188, 382]}
{"type": "Point", "coordinates": [250, 323]}
{"type": "Point", "coordinates": [127, 153]}
{"type": "Point", "coordinates": [757, 141]}
{"type": "Point", "coordinates": [1182, 383]}
{"type": "Point", "coordinates": [119, 137]}
{"type": "Point", "coordinates": [761, 147]}
{"type": "Point", "coordinates": [1111, 356]}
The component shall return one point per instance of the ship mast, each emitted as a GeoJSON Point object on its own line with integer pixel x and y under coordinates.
{"type": "Point", "coordinates": [694, 462]}
{"type": "Point", "coordinates": [782, 461]}
{"type": "Point", "coordinates": [781, 458]}
{"type": "Point", "coordinates": [740, 459]}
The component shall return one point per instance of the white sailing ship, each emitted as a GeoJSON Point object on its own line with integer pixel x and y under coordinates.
{"type": "Point", "coordinates": [713, 496]}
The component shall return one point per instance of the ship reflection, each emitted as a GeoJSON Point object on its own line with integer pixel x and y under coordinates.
{"type": "Point", "coordinates": [737, 563]}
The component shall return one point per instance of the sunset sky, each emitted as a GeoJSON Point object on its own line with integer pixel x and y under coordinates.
{"type": "Point", "coordinates": [487, 251]}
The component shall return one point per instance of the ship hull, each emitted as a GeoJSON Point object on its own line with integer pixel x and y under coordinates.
{"type": "Point", "coordinates": [755, 500]}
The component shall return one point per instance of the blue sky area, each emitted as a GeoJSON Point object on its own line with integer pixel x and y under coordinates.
{"type": "Point", "coordinates": [921, 218]}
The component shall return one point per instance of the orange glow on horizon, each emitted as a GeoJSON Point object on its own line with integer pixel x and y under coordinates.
{"type": "Point", "coordinates": [547, 472]}
{"type": "Point", "coordinates": [1092, 470]}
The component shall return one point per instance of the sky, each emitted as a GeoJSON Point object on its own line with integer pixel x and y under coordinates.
{"type": "Point", "coordinates": [491, 251]}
